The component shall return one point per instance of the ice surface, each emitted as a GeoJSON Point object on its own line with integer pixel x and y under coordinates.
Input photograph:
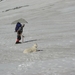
{"type": "Point", "coordinates": [51, 24]}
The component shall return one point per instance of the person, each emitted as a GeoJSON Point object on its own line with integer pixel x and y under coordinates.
{"type": "Point", "coordinates": [19, 31]}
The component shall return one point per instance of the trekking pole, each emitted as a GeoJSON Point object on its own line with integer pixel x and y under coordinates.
{"type": "Point", "coordinates": [22, 38]}
{"type": "Point", "coordinates": [23, 35]}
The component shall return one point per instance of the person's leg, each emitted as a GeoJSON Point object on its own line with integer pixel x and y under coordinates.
{"type": "Point", "coordinates": [18, 38]}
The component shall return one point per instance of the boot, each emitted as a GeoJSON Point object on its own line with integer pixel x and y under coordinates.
{"type": "Point", "coordinates": [17, 42]}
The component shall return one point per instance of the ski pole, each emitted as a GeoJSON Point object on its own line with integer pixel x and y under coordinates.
{"type": "Point", "coordinates": [22, 38]}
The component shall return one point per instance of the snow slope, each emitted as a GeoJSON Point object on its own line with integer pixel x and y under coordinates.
{"type": "Point", "coordinates": [51, 24]}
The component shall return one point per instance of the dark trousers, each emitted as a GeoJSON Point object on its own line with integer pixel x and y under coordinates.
{"type": "Point", "coordinates": [19, 37]}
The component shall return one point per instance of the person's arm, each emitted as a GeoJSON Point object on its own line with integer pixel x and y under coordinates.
{"type": "Point", "coordinates": [23, 25]}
